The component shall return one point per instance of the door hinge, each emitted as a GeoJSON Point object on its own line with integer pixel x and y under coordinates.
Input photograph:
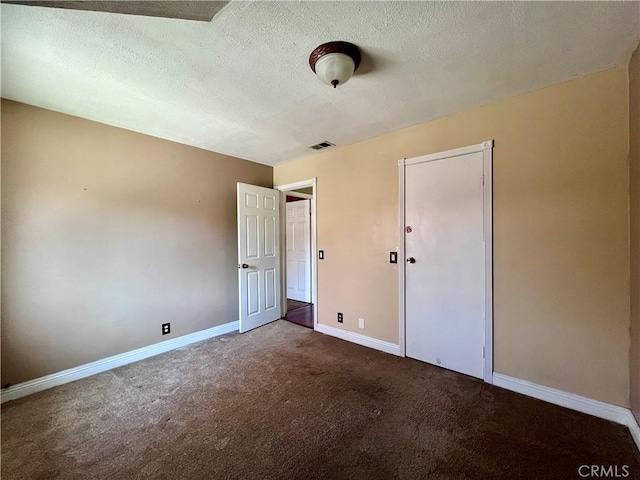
{"type": "Point", "coordinates": [483, 352]}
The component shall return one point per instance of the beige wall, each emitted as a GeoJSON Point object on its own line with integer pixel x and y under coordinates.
{"type": "Point", "coordinates": [308, 190]}
{"type": "Point", "coordinates": [634, 202]}
{"type": "Point", "coordinates": [107, 234]}
{"type": "Point", "coordinates": [561, 238]}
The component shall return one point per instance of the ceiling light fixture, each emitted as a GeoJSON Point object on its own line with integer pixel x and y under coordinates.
{"type": "Point", "coordinates": [335, 62]}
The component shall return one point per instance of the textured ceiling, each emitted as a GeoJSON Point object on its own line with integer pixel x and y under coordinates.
{"type": "Point", "coordinates": [241, 84]}
{"type": "Point", "coordinates": [202, 11]}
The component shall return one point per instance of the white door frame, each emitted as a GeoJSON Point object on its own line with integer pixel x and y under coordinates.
{"type": "Point", "coordinates": [486, 148]}
{"type": "Point", "coordinates": [286, 190]}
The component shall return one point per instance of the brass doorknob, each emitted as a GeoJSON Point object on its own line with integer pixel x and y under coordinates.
{"type": "Point", "coordinates": [411, 260]}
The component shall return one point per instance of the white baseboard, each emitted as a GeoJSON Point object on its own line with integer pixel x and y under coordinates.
{"type": "Point", "coordinates": [564, 399]}
{"type": "Point", "coordinates": [634, 428]}
{"type": "Point", "coordinates": [88, 369]}
{"type": "Point", "coordinates": [359, 339]}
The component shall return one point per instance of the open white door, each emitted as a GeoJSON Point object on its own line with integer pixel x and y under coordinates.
{"type": "Point", "coordinates": [258, 255]}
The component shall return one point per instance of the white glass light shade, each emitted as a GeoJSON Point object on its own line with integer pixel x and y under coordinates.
{"type": "Point", "coordinates": [335, 67]}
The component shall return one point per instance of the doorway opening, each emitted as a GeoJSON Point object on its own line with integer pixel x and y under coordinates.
{"type": "Point", "coordinates": [298, 252]}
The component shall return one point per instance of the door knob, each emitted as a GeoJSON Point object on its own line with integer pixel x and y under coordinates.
{"type": "Point", "coordinates": [411, 260]}
{"type": "Point", "coordinates": [244, 265]}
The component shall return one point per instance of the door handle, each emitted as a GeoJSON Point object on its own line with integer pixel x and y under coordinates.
{"type": "Point", "coordinates": [244, 265]}
{"type": "Point", "coordinates": [411, 260]}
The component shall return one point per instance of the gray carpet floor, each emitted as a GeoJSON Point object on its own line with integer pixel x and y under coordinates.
{"type": "Point", "coordinates": [286, 402]}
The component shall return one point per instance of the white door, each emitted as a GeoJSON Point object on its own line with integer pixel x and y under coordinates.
{"type": "Point", "coordinates": [299, 250]}
{"type": "Point", "coordinates": [258, 255]}
{"type": "Point", "coordinates": [445, 276]}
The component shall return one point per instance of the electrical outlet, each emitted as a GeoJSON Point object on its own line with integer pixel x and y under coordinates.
{"type": "Point", "coordinates": [166, 328]}
{"type": "Point", "coordinates": [340, 318]}
{"type": "Point", "coordinates": [361, 323]}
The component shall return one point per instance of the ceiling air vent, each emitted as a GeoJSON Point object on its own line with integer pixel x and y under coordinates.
{"type": "Point", "coordinates": [321, 145]}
